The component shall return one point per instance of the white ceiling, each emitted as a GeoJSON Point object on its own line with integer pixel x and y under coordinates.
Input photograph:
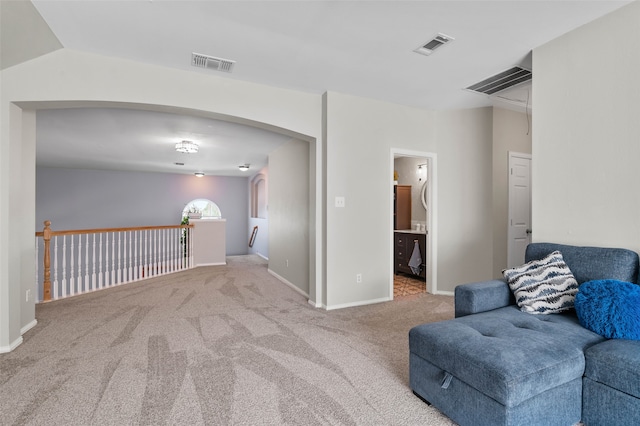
{"type": "Point", "coordinates": [363, 48]}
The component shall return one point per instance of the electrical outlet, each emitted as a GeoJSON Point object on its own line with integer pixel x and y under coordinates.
{"type": "Point", "coordinates": [287, 262]}
{"type": "Point", "coordinates": [28, 295]}
{"type": "Point", "coordinates": [340, 202]}
{"type": "Point", "coordinates": [358, 278]}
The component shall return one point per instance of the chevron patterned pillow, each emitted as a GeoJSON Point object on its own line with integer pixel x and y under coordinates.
{"type": "Point", "coordinates": [544, 286]}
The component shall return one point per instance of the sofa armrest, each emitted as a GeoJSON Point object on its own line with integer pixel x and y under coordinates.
{"type": "Point", "coordinates": [482, 296]}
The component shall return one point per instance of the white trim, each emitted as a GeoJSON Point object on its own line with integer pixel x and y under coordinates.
{"type": "Point", "coordinates": [360, 303]}
{"type": "Point", "coordinates": [445, 293]}
{"type": "Point", "coordinates": [432, 217]}
{"type": "Point", "coordinates": [262, 256]}
{"type": "Point", "coordinates": [314, 304]}
{"type": "Point", "coordinates": [29, 326]}
{"type": "Point", "coordinates": [288, 283]}
{"type": "Point", "coordinates": [12, 346]}
{"type": "Point", "coordinates": [209, 264]}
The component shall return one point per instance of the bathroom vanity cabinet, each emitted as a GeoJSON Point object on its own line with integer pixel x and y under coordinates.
{"type": "Point", "coordinates": [403, 249]}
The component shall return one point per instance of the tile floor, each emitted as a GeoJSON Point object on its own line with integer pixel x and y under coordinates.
{"type": "Point", "coordinates": [406, 285]}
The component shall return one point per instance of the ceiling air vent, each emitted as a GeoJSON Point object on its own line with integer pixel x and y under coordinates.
{"type": "Point", "coordinates": [433, 44]}
{"type": "Point", "coordinates": [211, 62]}
{"type": "Point", "coordinates": [502, 81]}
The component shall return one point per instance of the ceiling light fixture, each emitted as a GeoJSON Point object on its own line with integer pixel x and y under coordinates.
{"type": "Point", "coordinates": [199, 174]}
{"type": "Point", "coordinates": [244, 167]}
{"type": "Point", "coordinates": [187, 147]}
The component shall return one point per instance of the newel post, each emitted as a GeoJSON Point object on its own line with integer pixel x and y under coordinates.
{"type": "Point", "coordinates": [46, 236]}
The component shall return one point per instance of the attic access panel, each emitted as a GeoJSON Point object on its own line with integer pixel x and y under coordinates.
{"type": "Point", "coordinates": [502, 81]}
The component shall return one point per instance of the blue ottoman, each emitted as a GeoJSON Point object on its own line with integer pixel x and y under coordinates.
{"type": "Point", "coordinates": [502, 367]}
{"type": "Point", "coordinates": [611, 384]}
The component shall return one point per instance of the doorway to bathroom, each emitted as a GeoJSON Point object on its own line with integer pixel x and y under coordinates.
{"type": "Point", "coordinates": [412, 231]}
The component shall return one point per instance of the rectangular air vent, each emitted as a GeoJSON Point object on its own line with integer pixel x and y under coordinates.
{"type": "Point", "coordinates": [433, 44]}
{"type": "Point", "coordinates": [211, 62]}
{"type": "Point", "coordinates": [502, 81]}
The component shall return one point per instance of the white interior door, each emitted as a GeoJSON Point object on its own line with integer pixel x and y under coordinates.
{"type": "Point", "coordinates": [519, 234]}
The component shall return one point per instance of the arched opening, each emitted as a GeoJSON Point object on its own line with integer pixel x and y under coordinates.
{"type": "Point", "coordinates": [313, 285]}
{"type": "Point", "coordinates": [259, 196]}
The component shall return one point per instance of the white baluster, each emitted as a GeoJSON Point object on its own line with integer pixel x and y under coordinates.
{"type": "Point", "coordinates": [56, 284]}
{"type": "Point", "coordinates": [72, 281]}
{"type": "Point", "coordinates": [130, 258]}
{"type": "Point", "coordinates": [135, 256]}
{"type": "Point", "coordinates": [86, 264]}
{"type": "Point", "coordinates": [64, 266]}
{"type": "Point", "coordinates": [113, 258]}
{"type": "Point", "coordinates": [94, 284]}
{"type": "Point", "coordinates": [155, 252]}
{"type": "Point", "coordinates": [79, 276]}
{"type": "Point", "coordinates": [100, 278]}
{"type": "Point", "coordinates": [107, 281]}
{"type": "Point", "coordinates": [119, 257]}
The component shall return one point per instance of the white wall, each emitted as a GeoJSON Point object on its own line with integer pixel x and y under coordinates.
{"type": "Point", "coordinates": [360, 134]}
{"type": "Point", "coordinates": [465, 234]}
{"type": "Point", "coordinates": [511, 132]}
{"type": "Point", "coordinates": [586, 134]}
{"type": "Point", "coordinates": [289, 225]}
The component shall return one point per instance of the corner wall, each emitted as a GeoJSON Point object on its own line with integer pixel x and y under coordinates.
{"type": "Point", "coordinates": [465, 194]}
{"type": "Point", "coordinates": [289, 223]}
{"type": "Point", "coordinates": [586, 146]}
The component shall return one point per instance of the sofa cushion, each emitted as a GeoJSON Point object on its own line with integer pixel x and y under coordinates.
{"type": "Point", "coordinates": [543, 286]}
{"type": "Point", "coordinates": [506, 354]}
{"type": "Point", "coordinates": [591, 263]}
{"type": "Point", "coordinates": [610, 308]}
{"type": "Point", "coordinates": [615, 363]}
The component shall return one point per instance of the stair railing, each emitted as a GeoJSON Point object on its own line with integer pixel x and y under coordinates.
{"type": "Point", "coordinates": [86, 260]}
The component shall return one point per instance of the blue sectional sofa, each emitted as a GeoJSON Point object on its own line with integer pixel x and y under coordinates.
{"type": "Point", "coordinates": [494, 364]}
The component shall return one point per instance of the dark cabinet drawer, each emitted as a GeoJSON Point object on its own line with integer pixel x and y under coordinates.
{"type": "Point", "coordinates": [403, 250]}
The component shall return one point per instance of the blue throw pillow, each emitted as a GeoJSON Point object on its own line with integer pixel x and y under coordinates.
{"type": "Point", "coordinates": [610, 308]}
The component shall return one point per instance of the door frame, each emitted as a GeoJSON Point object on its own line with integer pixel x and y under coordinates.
{"type": "Point", "coordinates": [431, 260]}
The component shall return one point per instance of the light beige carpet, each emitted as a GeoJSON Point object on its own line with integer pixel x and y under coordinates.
{"type": "Point", "coordinates": [221, 345]}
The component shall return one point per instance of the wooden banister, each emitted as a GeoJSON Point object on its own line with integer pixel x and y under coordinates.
{"type": "Point", "coordinates": [47, 233]}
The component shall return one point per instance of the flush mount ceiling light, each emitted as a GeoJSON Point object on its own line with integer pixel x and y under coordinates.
{"type": "Point", "coordinates": [199, 174]}
{"type": "Point", "coordinates": [244, 167]}
{"type": "Point", "coordinates": [187, 147]}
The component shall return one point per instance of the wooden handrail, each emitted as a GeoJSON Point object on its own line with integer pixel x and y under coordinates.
{"type": "Point", "coordinates": [47, 233]}
{"type": "Point", "coordinates": [101, 230]}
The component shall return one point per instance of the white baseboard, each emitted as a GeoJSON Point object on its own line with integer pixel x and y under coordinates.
{"type": "Point", "coordinates": [288, 283]}
{"type": "Point", "coordinates": [263, 256]}
{"type": "Point", "coordinates": [361, 303]}
{"type": "Point", "coordinates": [12, 346]}
{"type": "Point", "coordinates": [316, 305]}
{"type": "Point", "coordinates": [445, 293]}
{"type": "Point", "coordinates": [29, 326]}
{"type": "Point", "coordinates": [211, 264]}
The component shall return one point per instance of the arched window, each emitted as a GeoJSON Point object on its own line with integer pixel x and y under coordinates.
{"type": "Point", "coordinates": [206, 208]}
